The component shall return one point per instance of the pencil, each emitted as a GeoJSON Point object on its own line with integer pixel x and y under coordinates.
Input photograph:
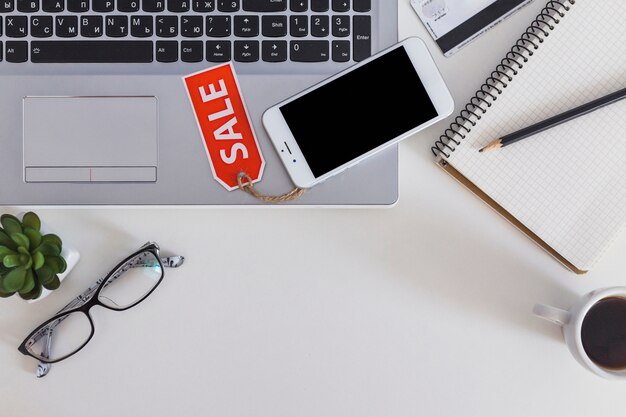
{"type": "Point", "coordinates": [554, 121]}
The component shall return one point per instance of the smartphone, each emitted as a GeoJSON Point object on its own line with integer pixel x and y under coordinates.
{"type": "Point", "coordinates": [362, 110]}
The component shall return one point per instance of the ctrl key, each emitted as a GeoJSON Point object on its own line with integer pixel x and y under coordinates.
{"type": "Point", "coordinates": [16, 51]}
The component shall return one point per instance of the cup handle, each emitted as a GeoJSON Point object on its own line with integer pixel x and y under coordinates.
{"type": "Point", "coordinates": [553, 314]}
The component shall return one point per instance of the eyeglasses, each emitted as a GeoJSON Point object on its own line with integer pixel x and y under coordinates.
{"type": "Point", "coordinates": [128, 284]}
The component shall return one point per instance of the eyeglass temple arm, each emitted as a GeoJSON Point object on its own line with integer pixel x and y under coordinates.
{"type": "Point", "coordinates": [43, 368]}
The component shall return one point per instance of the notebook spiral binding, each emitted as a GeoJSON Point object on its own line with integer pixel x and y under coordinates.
{"type": "Point", "coordinates": [504, 72]}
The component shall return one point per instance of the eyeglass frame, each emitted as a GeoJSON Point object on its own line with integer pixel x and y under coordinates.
{"type": "Point", "coordinates": [90, 298]}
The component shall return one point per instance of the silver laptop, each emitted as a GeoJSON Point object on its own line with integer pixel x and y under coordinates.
{"type": "Point", "coordinates": [93, 110]}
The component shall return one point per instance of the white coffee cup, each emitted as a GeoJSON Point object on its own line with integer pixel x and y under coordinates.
{"type": "Point", "coordinates": [571, 322]}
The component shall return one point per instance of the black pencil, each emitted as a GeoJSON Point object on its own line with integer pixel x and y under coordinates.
{"type": "Point", "coordinates": [555, 120]}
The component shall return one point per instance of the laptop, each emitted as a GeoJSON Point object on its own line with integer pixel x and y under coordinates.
{"type": "Point", "coordinates": [93, 110]}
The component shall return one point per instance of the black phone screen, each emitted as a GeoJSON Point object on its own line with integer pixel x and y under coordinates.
{"type": "Point", "coordinates": [358, 111]}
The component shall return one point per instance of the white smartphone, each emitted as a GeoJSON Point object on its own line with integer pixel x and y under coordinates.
{"type": "Point", "coordinates": [362, 110]}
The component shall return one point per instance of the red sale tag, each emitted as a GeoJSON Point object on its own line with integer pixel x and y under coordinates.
{"type": "Point", "coordinates": [224, 124]}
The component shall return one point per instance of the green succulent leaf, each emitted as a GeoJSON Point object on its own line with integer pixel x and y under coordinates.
{"type": "Point", "coordinates": [49, 249]}
{"type": "Point", "coordinates": [30, 219]}
{"type": "Point", "coordinates": [4, 251]}
{"type": "Point", "coordinates": [45, 274]}
{"type": "Point", "coordinates": [34, 236]}
{"type": "Point", "coordinates": [53, 284]}
{"type": "Point", "coordinates": [5, 240]}
{"type": "Point", "coordinates": [52, 238]}
{"type": "Point", "coordinates": [11, 261]}
{"type": "Point", "coordinates": [20, 239]}
{"type": "Point", "coordinates": [38, 260]}
{"type": "Point", "coordinates": [11, 224]}
{"type": "Point", "coordinates": [14, 280]}
{"type": "Point", "coordinates": [34, 293]}
{"type": "Point", "coordinates": [5, 294]}
{"type": "Point", "coordinates": [29, 282]}
{"type": "Point", "coordinates": [56, 263]}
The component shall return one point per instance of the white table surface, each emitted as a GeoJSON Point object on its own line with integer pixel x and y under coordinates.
{"type": "Point", "coordinates": [423, 309]}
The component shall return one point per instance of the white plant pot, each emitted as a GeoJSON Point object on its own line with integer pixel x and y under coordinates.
{"type": "Point", "coordinates": [68, 252]}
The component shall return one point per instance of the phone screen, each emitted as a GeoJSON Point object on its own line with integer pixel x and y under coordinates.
{"type": "Point", "coordinates": [358, 111]}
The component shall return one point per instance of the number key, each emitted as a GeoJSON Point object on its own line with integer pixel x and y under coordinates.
{"type": "Point", "coordinates": [319, 26]}
{"type": "Point", "coordinates": [299, 26]}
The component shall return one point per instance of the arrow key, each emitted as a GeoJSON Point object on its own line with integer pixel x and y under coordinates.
{"type": "Point", "coordinates": [218, 51]}
{"type": "Point", "coordinates": [274, 51]}
{"type": "Point", "coordinates": [246, 51]}
{"type": "Point", "coordinates": [246, 26]}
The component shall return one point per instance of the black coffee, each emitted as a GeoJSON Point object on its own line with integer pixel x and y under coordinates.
{"type": "Point", "coordinates": [604, 333]}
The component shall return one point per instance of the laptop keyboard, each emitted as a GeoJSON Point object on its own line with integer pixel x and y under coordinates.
{"type": "Point", "coordinates": [187, 31]}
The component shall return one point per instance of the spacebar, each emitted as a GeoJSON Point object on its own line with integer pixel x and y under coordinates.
{"type": "Point", "coordinates": [90, 51]}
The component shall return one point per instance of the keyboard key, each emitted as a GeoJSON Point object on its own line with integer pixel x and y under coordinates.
{"type": "Point", "coordinates": [361, 6]}
{"type": "Point", "coordinates": [153, 6]}
{"type": "Point", "coordinates": [274, 51]}
{"type": "Point", "coordinates": [298, 5]}
{"type": "Point", "coordinates": [299, 26]}
{"type": "Point", "coordinates": [66, 26]}
{"type": "Point", "coordinates": [27, 6]}
{"type": "Point", "coordinates": [91, 26]}
{"type": "Point", "coordinates": [362, 37]}
{"type": "Point", "coordinates": [91, 51]}
{"type": "Point", "coordinates": [127, 5]}
{"type": "Point", "coordinates": [218, 51]}
{"type": "Point", "coordinates": [246, 26]}
{"type": "Point", "coordinates": [167, 26]}
{"type": "Point", "coordinates": [191, 51]}
{"type": "Point", "coordinates": [265, 6]}
{"type": "Point", "coordinates": [141, 26]}
{"type": "Point", "coordinates": [78, 6]}
{"type": "Point", "coordinates": [117, 26]}
{"type": "Point", "coordinates": [319, 26]}
{"type": "Point", "coordinates": [309, 51]}
{"type": "Point", "coordinates": [7, 6]}
{"type": "Point", "coordinates": [274, 26]}
{"type": "Point", "coordinates": [167, 51]}
{"type": "Point", "coordinates": [341, 51]}
{"type": "Point", "coordinates": [102, 6]}
{"type": "Point", "coordinates": [178, 6]}
{"type": "Point", "coordinates": [341, 26]}
{"type": "Point", "coordinates": [191, 26]}
{"type": "Point", "coordinates": [319, 5]}
{"type": "Point", "coordinates": [228, 5]}
{"type": "Point", "coordinates": [52, 6]}
{"type": "Point", "coordinates": [341, 5]}
{"type": "Point", "coordinates": [16, 51]}
{"type": "Point", "coordinates": [246, 51]}
{"type": "Point", "coordinates": [203, 6]}
{"type": "Point", "coordinates": [218, 26]}
{"type": "Point", "coordinates": [41, 26]}
{"type": "Point", "coordinates": [16, 27]}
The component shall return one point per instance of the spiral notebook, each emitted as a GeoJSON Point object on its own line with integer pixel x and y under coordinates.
{"type": "Point", "coordinates": [564, 187]}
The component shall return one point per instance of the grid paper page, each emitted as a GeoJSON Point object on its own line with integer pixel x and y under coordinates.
{"type": "Point", "coordinates": [566, 184]}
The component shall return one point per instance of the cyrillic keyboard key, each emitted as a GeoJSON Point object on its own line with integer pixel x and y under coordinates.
{"type": "Point", "coordinates": [228, 5]}
{"type": "Point", "coordinates": [167, 26]}
{"type": "Point", "coordinates": [362, 37]}
{"type": "Point", "coordinates": [27, 6]}
{"type": "Point", "coordinates": [41, 26]}
{"type": "Point", "coordinates": [361, 6]}
{"type": "Point", "coordinates": [127, 5]}
{"type": "Point", "coordinates": [203, 6]}
{"type": "Point", "coordinates": [274, 51]}
{"type": "Point", "coordinates": [141, 26]}
{"type": "Point", "coordinates": [191, 51]}
{"type": "Point", "coordinates": [16, 26]}
{"type": "Point", "coordinates": [309, 51]}
{"type": "Point", "coordinates": [246, 51]}
{"type": "Point", "coordinates": [191, 26]}
{"type": "Point", "coordinates": [91, 51]}
{"type": "Point", "coordinates": [91, 26]}
{"type": "Point", "coordinates": [66, 26]}
{"type": "Point", "coordinates": [153, 5]}
{"type": "Point", "coordinates": [102, 6]}
{"type": "Point", "coordinates": [265, 6]}
{"type": "Point", "coordinates": [218, 51]}
{"type": "Point", "coordinates": [7, 6]}
{"type": "Point", "coordinates": [52, 6]}
{"type": "Point", "coordinates": [116, 26]}
{"type": "Point", "coordinates": [16, 51]}
{"type": "Point", "coordinates": [77, 6]}
{"type": "Point", "coordinates": [178, 6]}
{"type": "Point", "coordinates": [167, 51]}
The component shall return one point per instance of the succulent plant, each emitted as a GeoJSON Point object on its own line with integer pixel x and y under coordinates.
{"type": "Point", "coordinates": [29, 261]}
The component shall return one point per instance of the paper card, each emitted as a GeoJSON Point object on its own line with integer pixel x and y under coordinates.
{"type": "Point", "coordinates": [224, 124]}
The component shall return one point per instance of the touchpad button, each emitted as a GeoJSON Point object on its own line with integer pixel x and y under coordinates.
{"type": "Point", "coordinates": [90, 139]}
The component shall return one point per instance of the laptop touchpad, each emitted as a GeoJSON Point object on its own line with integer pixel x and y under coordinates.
{"type": "Point", "coordinates": [90, 139]}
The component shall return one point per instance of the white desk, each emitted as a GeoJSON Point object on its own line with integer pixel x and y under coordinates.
{"type": "Point", "coordinates": [423, 309]}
